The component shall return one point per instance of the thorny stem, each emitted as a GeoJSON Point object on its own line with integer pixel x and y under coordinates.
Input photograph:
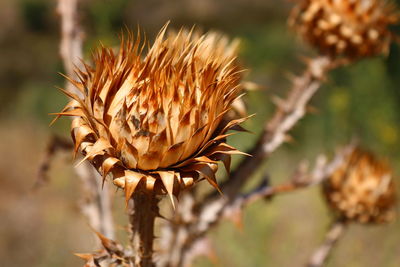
{"type": "Point", "coordinates": [143, 211]}
{"type": "Point", "coordinates": [303, 177]}
{"type": "Point", "coordinates": [56, 143]}
{"type": "Point", "coordinates": [288, 113]}
{"type": "Point", "coordinates": [322, 253]}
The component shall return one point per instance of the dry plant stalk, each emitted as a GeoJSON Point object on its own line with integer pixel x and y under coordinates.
{"type": "Point", "coordinates": [322, 253]}
{"type": "Point", "coordinates": [55, 144]}
{"type": "Point", "coordinates": [302, 178]}
{"type": "Point", "coordinates": [96, 206]}
{"type": "Point", "coordinates": [142, 215]}
{"type": "Point", "coordinates": [288, 113]}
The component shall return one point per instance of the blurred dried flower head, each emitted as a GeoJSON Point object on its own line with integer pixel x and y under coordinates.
{"type": "Point", "coordinates": [346, 28]}
{"type": "Point", "coordinates": [362, 189]}
{"type": "Point", "coordinates": [157, 122]}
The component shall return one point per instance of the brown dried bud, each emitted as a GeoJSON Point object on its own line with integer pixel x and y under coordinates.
{"type": "Point", "coordinates": [362, 189]}
{"type": "Point", "coordinates": [345, 28]}
{"type": "Point", "coordinates": [157, 122]}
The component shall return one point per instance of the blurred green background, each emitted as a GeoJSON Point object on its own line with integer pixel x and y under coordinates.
{"type": "Point", "coordinates": [44, 228]}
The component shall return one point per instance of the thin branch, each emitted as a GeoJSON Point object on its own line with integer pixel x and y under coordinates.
{"type": "Point", "coordinates": [288, 113]}
{"type": "Point", "coordinates": [55, 144]}
{"type": "Point", "coordinates": [174, 233]}
{"type": "Point", "coordinates": [96, 205]}
{"type": "Point", "coordinates": [322, 253]}
{"type": "Point", "coordinates": [71, 35]}
{"type": "Point", "coordinates": [302, 178]}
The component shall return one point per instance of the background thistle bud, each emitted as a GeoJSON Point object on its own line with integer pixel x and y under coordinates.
{"type": "Point", "coordinates": [157, 121]}
{"type": "Point", "coordinates": [349, 28]}
{"type": "Point", "coordinates": [362, 189]}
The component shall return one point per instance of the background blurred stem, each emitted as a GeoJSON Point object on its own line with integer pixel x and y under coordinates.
{"type": "Point", "coordinates": [322, 253]}
{"type": "Point", "coordinates": [96, 204]}
{"type": "Point", "coordinates": [71, 37]}
{"type": "Point", "coordinates": [288, 113]}
{"type": "Point", "coordinates": [55, 144]}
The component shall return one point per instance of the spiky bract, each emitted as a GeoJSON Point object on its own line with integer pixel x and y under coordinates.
{"type": "Point", "coordinates": [362, 189]}
{"type": "Point", "coordinates": [157, 121]}
{"type": "Point", "coordinates": [345, 28]}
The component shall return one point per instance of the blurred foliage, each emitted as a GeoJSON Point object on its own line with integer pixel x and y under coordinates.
{"type": "Point", "coordinates": [361, 101]}
{"type": "Point", "coordinates": [35, 14]}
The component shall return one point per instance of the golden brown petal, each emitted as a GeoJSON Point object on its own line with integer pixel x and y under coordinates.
{"type": "Point", "coordinates": [157, 121]}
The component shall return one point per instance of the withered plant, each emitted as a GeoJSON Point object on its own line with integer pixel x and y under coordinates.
{"type": "Point", "coordinates": [349, 28]}
{"type": "Point", "coordinates": [359, 190]}
{"type": "Point", "coordinates": [154, 123]}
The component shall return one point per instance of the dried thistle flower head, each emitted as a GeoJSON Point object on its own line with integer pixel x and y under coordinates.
{"type": "Point", "coordinates": [157, 122]}
{"type": "Point", "coordinates": [362, 189]}
{"type": "Point", "coordinates": [345, 28]}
